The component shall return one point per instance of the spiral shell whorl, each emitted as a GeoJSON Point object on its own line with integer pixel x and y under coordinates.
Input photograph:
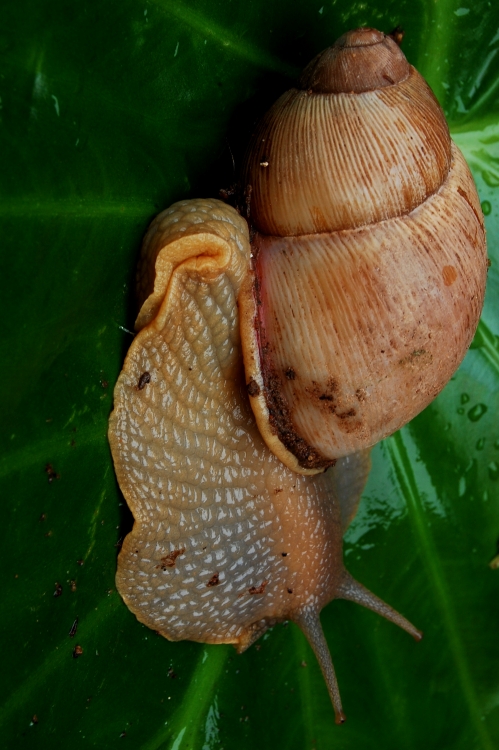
{"type": "Point", "coordinates": [322, 161]}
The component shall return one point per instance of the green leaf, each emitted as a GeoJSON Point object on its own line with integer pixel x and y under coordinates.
{"type": "Point", "coordinates": [111, 111]}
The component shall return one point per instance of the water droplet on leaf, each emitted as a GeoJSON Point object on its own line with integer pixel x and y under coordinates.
{"type": "Point", "coordinates": [477, 412]}
{"type": "Point", "coordinates": [493, 468]}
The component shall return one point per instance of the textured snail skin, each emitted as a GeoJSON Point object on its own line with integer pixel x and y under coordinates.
{"type": "Point", "coordinates": [227, 540]}
{"type": "Point", "coordinates": [370, 255]}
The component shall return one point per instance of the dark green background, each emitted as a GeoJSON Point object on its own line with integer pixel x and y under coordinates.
{"type": "Point", "coordinates": [109, 112]}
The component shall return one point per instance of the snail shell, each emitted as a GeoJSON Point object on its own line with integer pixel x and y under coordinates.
{"type": "Point", "coordinates": [237, 527]}
{"type": "Point", "coordinates": [370, 254]}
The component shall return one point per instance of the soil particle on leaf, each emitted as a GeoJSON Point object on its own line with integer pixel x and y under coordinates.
{"type": "Point", "coordinates": [58, 589]}
{"type": "Point", "coordinates": [51, 473]}
{"type": "Point", "coordinates": [77, 651]}
{"type": "Point", "coordinates": [74, 628]}
{"type": "Point", "coordinates": [214, 580]}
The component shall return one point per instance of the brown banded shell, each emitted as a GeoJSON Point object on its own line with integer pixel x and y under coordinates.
{"type": "Point", "coordinates": [370, 257]}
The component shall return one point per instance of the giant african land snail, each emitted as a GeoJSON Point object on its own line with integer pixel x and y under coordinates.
{"type": "Point", "coordinates": [255, 368]}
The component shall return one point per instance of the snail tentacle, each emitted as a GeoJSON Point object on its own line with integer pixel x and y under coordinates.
{"type": "Point", "coordinates": [354, 591]}
{"type": "Point", "coordinates": [310, 624]}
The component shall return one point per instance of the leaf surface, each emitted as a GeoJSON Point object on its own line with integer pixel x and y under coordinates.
{"type": "Point", "coordinates": [111, 111]}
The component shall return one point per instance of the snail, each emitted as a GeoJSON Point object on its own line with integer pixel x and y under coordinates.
{"type": "Point", "coordinates": [263, 371]}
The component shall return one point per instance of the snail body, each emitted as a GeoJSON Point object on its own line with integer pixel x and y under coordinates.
{"type": "Point", "coordinates": [232, 403]}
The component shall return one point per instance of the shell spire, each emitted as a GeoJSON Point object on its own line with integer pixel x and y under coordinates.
{"type": "Point", "coordinates": [361, 60]}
